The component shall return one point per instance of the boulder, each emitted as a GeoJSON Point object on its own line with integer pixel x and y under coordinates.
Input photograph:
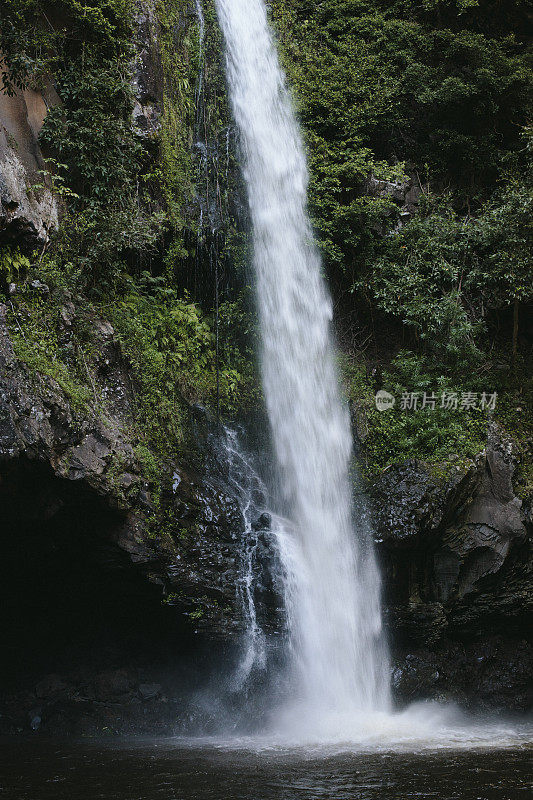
{"type": "Point", "coordinates": [114, 684]}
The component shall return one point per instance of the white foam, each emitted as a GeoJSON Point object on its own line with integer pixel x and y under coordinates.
{"type": "Point", "coordinates": [421, 727]}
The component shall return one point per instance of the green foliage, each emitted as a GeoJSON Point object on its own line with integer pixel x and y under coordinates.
{"type": "Point", "coordinates": [424, 278]}
{"type": "Point", "coordinates": [92, 131]}
{"type": "Point", "coordinates": [198, 172]}
{"type": "Point", "coordinates": [442, 273]}
{"type": "Point", "coordinates": [377, 85]}
{"type": "Point", "coordinates": [87, 46]}
{"type": "Point", "coordinates": [52, 180]}
{"type": "Point", "coordinates": [502, 238]}
{"type": "Point", "coordinates": [27, 47]}
{"type": "Point", "coordinates": [35, 35]}
{"type": "Point", "coordinates": [441, 438]}
{"type": "Point", "coordinates": [444, 86]}
{"type": "Point", "coordinates": [13, 265]}
{"type": "Point", "coordinates": [94, 242]}
{"type": "Point", "coordinates": [171, 347]}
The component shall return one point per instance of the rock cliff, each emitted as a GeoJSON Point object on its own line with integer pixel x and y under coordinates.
{"type": "Point", "coordinates": [458, 577]}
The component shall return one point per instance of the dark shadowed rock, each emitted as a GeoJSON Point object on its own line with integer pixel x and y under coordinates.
{"type": "Point", "coordinates": [404, 503]}
{"type": "Point", "coordinates": [51, 686]}
{"type": "Point", "coordinates": [113, 684]}
{"type": "Point", "coordinates": [484, 674]}
{"type": "Point", "coordinates": [149, 691]}
{"type": "Point", "coordinates": [195, 558]}
{"type": "Point", "coordinates": [263, 523]}
{"type": "Point", "coordinates": [456, 555]}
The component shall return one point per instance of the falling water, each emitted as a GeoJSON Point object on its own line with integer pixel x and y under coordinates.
{"type": "Point", "coordinates": [250, 493]}
{"type": "Point", "coordinates": [332, 583]}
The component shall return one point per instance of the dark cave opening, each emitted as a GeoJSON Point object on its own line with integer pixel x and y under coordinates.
{"type": "Point", "coordinates": [75, 606]}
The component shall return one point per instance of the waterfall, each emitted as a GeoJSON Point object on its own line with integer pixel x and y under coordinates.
{"type": "Point", "coordinates": [332, 585]}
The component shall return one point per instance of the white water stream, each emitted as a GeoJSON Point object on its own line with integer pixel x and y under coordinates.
{"type": "Point", "coordinates": [332, 583]}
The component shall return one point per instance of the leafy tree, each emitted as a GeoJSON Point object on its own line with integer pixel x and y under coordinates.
{"type": "Point", "coordinates": [380, 84]}
{"type": "Point", "coordinates": [443, 273]}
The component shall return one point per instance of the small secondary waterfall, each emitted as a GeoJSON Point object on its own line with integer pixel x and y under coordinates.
{"type": "Point", "coordinates": [250, 491]}
{"type": "Point", "coordinates": [332, 582]}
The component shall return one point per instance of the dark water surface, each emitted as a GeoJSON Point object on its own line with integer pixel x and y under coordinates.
{"type": "Point", "coordinates": [40, 770]}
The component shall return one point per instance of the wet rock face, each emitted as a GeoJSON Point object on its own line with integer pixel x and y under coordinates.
{"type": "Point", "coordinates": [456, 557]}
{"type": "Point", "coordinates": [206, 568]}
{"type": "Point", "coordinates": [403, 504]}
{"type": "Point", "coordinates": [458, 582]}
{"type": "Point", "coordinates": [492, 674]}
{"type": "Point", "coordinates": [37, 422]}
{"type": "Point", "coordinates": [491, 527]}
{"type": "Point", "coordinates": [88, 553]}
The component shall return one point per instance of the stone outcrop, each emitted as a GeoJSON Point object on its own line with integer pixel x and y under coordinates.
{"type": "Point", "coordinates": [118, 590]}
{"type": "Point", "coordinates": [456, 552]}
{"type": "Point", "coordinates": [27, 214]}
{"type": "Point", "coordinates": [491, 674]}
{"type": "Point", "coordinates": [405, 194]}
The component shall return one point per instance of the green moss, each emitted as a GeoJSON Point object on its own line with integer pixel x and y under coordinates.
{"type": "Point", "coordinates": [196, 167]}
{"type": "Point", "coordinates": [177, 45]}
{"type": "Point", "coordinates": [445, 441]}
{"type": "Point", "coordinates": [34, 330]}
{"type": "Point", "coordinates": [171, 347]}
